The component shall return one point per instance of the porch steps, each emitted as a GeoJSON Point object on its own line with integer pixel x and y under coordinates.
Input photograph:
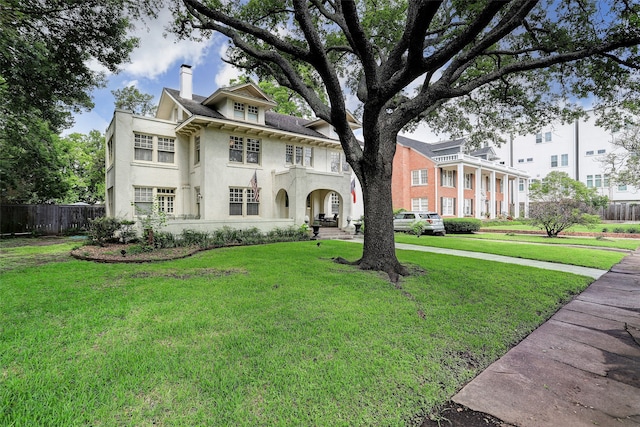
{"type": "Point", "coordinates": [328, 233]}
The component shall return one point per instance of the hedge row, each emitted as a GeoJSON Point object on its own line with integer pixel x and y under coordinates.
{"type": "Point", "coordinates": [461, 225]}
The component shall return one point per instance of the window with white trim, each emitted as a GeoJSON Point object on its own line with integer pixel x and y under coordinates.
{"type": "Point", "coordinates": [143, 147]}
{"type": "Point", "coordinates": [252, 113]}
{"type": "Point", "coordinates": [554, 161]}
{"type": "Point", "coordinates": [241, 151]}
{"type": "Point", "coordinates": [564, 160]}
{"type": "Point", "coordinates": [602, 151]}
{"type": "Point", "coordinates": [335, 161]}
{"type": "Point", "coordinates": [242, 202]}
{"type": "Point", "coordinates": [538, 138]}
{"type": "Point", "coordinates": [547, 137]}
{"type": "Point", "coordinates": [419, 177]}
{"type": "Point", "coordinates": [298, 155]}
{"type": "Point", "coordinates": [589, 181]}
{"type": "Point", "coordinates": [166, 149]}
{"type": "Point", "coordinates": [521, 184]}
{"type": "Point", "coordinates": [166, 200]}
{"type": "Point", "coordinates": [448, 178]}
{"type": "Point", "coordinates": [598, 181]}
{"type": "Point", "coordinates": [143, 199]}
{"type": "Point", "coordinates": [420, 204]}
{"type": "Point", "coordinates": [308, 156]}
{"type": "Point", "coordinates": [448, 205]}
{"type": "Point", "coordinates": [196, 150]}
{"type": "Point", "coordinates": [238, 110]}
{"type": "Point", "coordinates": [589, 153]}
{"type": "Point", "coordinates": [622, 187]}
{"type": "Point", "coordinates": [468, 207]}
{"type": "Point", "coordinates": [288, 154]}
{"type": "Point", "coordinates": [468, 181]}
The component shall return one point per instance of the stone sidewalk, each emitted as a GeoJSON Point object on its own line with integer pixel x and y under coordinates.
{"type": "Point", "coordinates": [580, 368]}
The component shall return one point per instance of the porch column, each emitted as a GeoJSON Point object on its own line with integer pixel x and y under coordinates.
{"type": "Point", "coordinates": [526, 198]}
{"type": "Point", "coordinates": [492, 203]}
{"type": "Point", "coordinates": [478, 194]}
{"type": "Point", "coordinates": [506, 189]}
{"type": "Point", "coordinates": [460, 190]}
{"type": "Point", "coordinates": [516, 198]}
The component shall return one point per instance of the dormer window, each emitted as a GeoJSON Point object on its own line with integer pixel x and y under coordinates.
{"type": "Point", "coordinates": [252, 113]}
{"type": "Point", "coordinates": [238, 110]}
{"type": "Point", "coordinates": [245, 112]}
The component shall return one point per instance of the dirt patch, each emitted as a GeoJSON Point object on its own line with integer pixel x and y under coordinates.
{"type": "Point", "coordinates": [118, 253]}
{"type": "Point", "coordinates": [454, 415]}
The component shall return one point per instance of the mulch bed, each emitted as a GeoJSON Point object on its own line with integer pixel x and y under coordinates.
{"type": "Point", "coordinates": [112, 253]}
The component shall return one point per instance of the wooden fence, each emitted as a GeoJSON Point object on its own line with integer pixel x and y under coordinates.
{"type": "Point", "coordinates": [46, 219]}
{"type": "Point", "coordinates": [621, 212]}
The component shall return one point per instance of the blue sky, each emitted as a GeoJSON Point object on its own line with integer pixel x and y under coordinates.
{"type": "Point", "coordinates": [156, 64]}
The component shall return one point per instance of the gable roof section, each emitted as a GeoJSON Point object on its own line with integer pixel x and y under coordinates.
{"type": "Point", "coordinates": [242, 92]}
{"type": "Point", "coordinates": [273, 120]}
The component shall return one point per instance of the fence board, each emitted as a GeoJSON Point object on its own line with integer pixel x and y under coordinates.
{"type": "Point", "coordinates": [46, 219]}
{"type": "Point", "coordinates": [621, 212]}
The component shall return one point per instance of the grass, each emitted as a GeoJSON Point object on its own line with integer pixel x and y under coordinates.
{"type": "Point", "coordinates": [584, 257]}
{"type": "Point", "coordinates": [260, 335]}
{"type": "Point", "coordinates": [607, 242]}
{"type": "Point", "coordinates": [598, 228]}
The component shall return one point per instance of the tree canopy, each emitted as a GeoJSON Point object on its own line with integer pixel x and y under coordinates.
{"type": "Point", "coordinates": [131, 99]}
{"type": "Point", "coordinates": [482, 68]}
{"type": "Point", "coordinates": [623, 164]}
{"type": "Point", "coordinates": [49, 53]}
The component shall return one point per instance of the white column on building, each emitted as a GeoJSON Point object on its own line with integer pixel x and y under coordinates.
{"type": "Point", "coordinates": [478, 194]}
{"type": "Point", "coordinates": [434, 205]}
{"type": "Point", "coordinates": [492, 188]}
{"type": "Point", "coordinates": [516, 198]}
{"type": "Point", "coordinates": [526, 198]}
{"type": "Point", "coordinates": [460, 190]}
{"type": "Point", "coordinates": [506, 188]}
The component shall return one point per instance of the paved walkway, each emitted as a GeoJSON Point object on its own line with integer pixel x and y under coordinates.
{"type": "Point", "coordinates": [580, 368]}
{"type": "Point", "coordinates": [583, 271]}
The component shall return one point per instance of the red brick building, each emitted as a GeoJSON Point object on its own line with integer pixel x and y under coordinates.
{"type": "Point", "coordinates": [444, 177]}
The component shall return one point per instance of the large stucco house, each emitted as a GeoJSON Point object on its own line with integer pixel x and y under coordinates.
{"type": "Point", "coordinates": [225, 159]}
{"type": "Point", "coordinates": [447, 178]}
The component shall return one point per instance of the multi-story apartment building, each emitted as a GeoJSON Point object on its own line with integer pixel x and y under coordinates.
{"type": "Point", "coordinates": [576, 148]}
{"type": "Point", "coordinates": [225, 159]}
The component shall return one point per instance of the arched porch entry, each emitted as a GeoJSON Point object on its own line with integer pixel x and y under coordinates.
{"type": "Point", "coordinates": [325, 206]}
{"type": "Point", "coordinates": [282, 204]}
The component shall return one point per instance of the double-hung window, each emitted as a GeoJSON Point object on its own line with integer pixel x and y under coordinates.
{"type": "Point", "coordinates": [243, 202]}
{"type": "Point", "coordinates": [166, 149]}
{"type": "Point", "coordinates": [143, 199]}
{"type": "Point", "coordinates": [252, 113]}
{"type": "Point", "coordinates": [236, 149]}
{"type": "Point", "coordinates": [143, 147]}
{"type": "Point", "coordinates": [253, 151]}
{"type": "Point", "coordinates": [448, 205]}
{"type": "Point", "coordinates": [419, 177]}
{"type": "Point", "coordinates": [335, 161]}
{"type": "Point", "coordinates": [554, 161]}
{"type": "Point", "coordinates": [299, 155]}
{"type": "Point", "coordinates": [238, 110]}
{"type": "Point", "coordinates": [564, 160]}
{"type": "Point", "coordinates": [589, 181]}
{"type": "Point", "coordinates": [196, 150]}
{"type": "Point", "coordinates": [420, 204]}
{"type": "Point", "coordinates": [468, 181]}
{"type": "Point", "coordinates": [468, 207]}
{"type": "Point", "coordinates": [448, 178]}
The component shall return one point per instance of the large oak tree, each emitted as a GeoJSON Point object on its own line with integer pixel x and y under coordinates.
{"type": "Point", "coordinates": [481, 67]}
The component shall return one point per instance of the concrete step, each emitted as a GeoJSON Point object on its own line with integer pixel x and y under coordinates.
{"type": "Point", "coordinates": [327, 233]}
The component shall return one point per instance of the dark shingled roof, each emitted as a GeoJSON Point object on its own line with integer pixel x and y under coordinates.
{"type": "Point", "coordinates": [273, 120]}
{"type": "Point", "coordinates": [432, 149]}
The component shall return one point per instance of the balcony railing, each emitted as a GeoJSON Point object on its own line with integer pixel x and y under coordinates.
{"type": "Point", "coordinates": [477, 161]}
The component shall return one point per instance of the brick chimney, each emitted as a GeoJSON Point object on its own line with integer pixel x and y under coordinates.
{"type": "Point", "coordinates": [186, 84]}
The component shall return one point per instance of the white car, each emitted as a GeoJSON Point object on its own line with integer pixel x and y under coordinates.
{"type": "Point", "coordinates": [433, 222]}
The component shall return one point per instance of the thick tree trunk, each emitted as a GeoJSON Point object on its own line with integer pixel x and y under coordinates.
{"type": "Point", "coordinates": [379, 245]}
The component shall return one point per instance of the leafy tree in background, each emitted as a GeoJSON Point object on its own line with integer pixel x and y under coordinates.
{"type": "Point", "coordinates": [47, 54]}
{"type": "Point", "coordinates": [623, 164]}
{"type": "Point", "coordinates": [131, 99]}
{"type": "Point", "coordinates": [83, 157]}
{"type": "Point", "coordinates": [559, 202]}
{"type": "Point", "coordinates": [479, 67]}
{"type": "Point", "coordinates": [289, 102]}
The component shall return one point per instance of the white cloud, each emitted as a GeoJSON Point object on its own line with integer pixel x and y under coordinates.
{"type": "Point", "coordinates": [86, 122]}
{"type": "Point", "coordinates": [157, 53]}
{"type": "Point", "coordinates": [227, 71]}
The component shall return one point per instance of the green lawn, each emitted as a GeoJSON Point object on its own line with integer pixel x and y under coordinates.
{"type": "Point", "coordinates": [584, 257]}
{"type": "Point", "coordinates": [607, 242]}
{"type": "Point", "coordinates": [261, 335]}
{"type": "Point", "coordinates": [598, 228]}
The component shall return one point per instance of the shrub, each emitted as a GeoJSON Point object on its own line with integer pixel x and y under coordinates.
{"type": "Point", "coordinates": [632, 230]}
{"type": "Point", "coordinates": [103, 229]}
{"type": "Point", "coordinates": [202, 239]}
{"type": "Point", "coordinates": [163, 240]}
{"type": "Point", "coordinates": [618, 229]}
{"type": "Point", "coordinates": [417, 227]}
{"type": "Point", "coordinates": [461, 225]}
